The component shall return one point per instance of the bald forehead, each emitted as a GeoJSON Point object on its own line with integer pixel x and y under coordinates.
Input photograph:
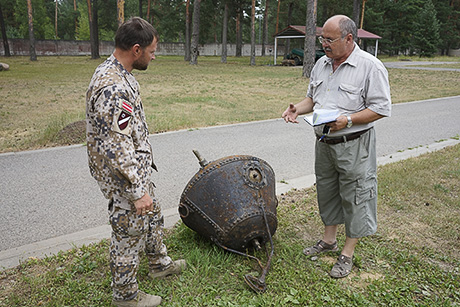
{"type": "Point", "coordinates": [331, 27]}
{"type": "Point", "coordinates": [335, 20]}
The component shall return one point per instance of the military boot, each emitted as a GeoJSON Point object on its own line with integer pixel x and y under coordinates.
{"type": "Point", "coordinates": [175, 268]}
{"type": "Point", "coordinates": [142, 299]}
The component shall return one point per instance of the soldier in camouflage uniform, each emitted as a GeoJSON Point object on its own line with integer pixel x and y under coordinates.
{"type": "Point", "coordinates": [121, 160]}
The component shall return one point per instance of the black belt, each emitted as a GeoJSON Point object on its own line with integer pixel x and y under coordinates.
{"type": "Point", "coordinates": [343, 138]}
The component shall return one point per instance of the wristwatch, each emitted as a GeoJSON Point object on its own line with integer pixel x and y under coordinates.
{"type": "Point", "coordinates": [350, 123]}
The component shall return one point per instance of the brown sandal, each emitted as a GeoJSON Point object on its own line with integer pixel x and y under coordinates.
{"type": "Point", "coordinates": [342, 267]}
{"type": "Point", "coordinates": [320, 247]}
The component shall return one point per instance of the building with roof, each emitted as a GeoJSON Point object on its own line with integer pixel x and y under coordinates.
{"type": "Point", "coordinates": [299, 32]}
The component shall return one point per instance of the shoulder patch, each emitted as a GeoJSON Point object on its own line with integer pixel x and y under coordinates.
{"type": "Point", "coordinates": [123, 120]}
{"type": "Point", "coordinates": [127, 107]}
{"type": "Point", "coordinates": [123, 117]}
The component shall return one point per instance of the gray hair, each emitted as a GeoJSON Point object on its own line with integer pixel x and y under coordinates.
{"type": "Point", "coordinates": [348, 26]}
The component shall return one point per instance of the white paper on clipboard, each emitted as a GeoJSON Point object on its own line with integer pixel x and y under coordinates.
{"type": "Point", "coordinates": [321, 117]}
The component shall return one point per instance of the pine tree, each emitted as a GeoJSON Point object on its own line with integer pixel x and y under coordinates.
{"type": "Point", "coordinates": [426, 37]}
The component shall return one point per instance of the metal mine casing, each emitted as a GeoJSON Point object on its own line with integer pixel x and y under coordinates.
{"type": "Point", "coordinates": [223, 202]}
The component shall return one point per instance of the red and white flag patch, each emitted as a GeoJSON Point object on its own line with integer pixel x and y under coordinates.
{"type": "Point", "coordinates": [127, 107]}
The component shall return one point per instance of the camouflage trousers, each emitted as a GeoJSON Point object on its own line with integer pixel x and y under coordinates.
{"type": "Point", "coordinates": [131, 234]}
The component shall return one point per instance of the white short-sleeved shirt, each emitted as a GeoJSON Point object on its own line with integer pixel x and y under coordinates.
{"type": "Point", "coordinates": [358, 83]}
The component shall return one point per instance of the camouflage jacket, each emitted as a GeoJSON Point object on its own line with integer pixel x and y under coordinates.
{"type": "Point", "coordinates": [119, 153]}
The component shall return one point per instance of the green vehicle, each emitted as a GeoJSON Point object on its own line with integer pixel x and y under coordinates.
{"type": "Point", "coordinates": [297, 55]}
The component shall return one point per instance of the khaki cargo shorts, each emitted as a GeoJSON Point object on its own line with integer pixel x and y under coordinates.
{"type": "Point", "coordinates": [346, 180]}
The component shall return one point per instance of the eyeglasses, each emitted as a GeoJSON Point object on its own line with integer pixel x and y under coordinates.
{"type": "Point", "coordinates": [327, 41]}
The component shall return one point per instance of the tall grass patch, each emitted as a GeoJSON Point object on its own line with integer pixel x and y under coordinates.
{"type": "Point", "coordinates": [175, 94]}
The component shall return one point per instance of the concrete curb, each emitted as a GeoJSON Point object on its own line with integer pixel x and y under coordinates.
{"type": "Point", "coordinates": [414, 152]}
{"type": "Point", "coordinates": [13, 257]}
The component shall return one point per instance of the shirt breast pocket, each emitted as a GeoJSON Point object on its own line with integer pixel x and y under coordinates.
{"type": "Point", "coordinates": [315, 88]}
{"type": "Point", "coordinates": [350, 98]}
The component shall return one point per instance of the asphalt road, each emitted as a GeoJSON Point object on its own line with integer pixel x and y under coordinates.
{"type": "Point", "coordinates": [50, 193]}
{"type": "Point", "coordinates": [419, 65]}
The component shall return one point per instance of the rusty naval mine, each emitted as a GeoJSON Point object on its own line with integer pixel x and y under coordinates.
{"type": "Point", "coordinates": [232, 201]}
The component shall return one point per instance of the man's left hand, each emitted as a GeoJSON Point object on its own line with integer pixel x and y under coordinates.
{"type": "Point", "coordinates": [339, 124]}
{"type": "Point", "coordinates": [143, 204]}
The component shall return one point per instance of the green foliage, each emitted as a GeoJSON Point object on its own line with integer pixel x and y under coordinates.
{"type": "Point", "coordinates": [426, 31]}
{"type": "Point", "coordinates": [12, 32]}
{"type": "Point", "coordinates": [43, 26]}
{"type": "Point", "coordinates": [328, 8]}
{"type": "Point", "coordinates": [67, 18]}
{"type": "Point", "coordinates": [448, 17]}
{"type": "Point", "coordinates": [406, 27]}
{"type": "Point", "coordinates": [169, 19]}
{"type": "Point", "coordinates": [107, 19]}
{"type": "Point", "coordinates": [394, 22]}
{"type": "Point", "coordinates": [82, 31]}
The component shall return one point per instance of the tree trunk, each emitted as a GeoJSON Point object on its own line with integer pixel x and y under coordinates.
{"type": "Point", "coordinates": [6, 47]}
{"type": "Point", "coordinates": [149, 5]}
{"type": "Point", "coordinates": [238, 32]}
{"type": "Point", "coordinates": [93, 30]}
{"type": "Point", "coordinates": [278, 16]}
{"type": "Point", "coordinates": [289, 21]}
{"type": "Point", "coordinates": [120, 12]}
{"type": "Point", "coordinates": [253, 33]}
{"type": "Point", "coordinates": [362, 15]}
{"type": "Point", "coordinates": [265, 28]}
{"type": "Point", "coordinates": [310, 39]}
{"type": "Point", "coordinates": [195, 33]}
{"type": "Point", "coordinates": [152, 18]}
{"type": "Point", "coordinates": [76, 18]}
{"type": "Point", "coordinates": [356, 11]}
{"type": "Point", "coordinates": [56, 21]}
{"type": "Point", "coordinates": [140, 8]}
{"type": "Point", "coordinates": [223, 58]}
{"type": "Point", "coordinates": [214, 25]}
{"type": "Point", "coordinates": [187, 32]}
{"type": "Point", "coordinates": [90, 18]}
{"type": "Point", "coordinates": [33, 55]}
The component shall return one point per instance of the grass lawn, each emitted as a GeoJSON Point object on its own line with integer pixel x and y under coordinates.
{"type": "Point", "coordinates": [45, 96]}
{"type": "Point", "coordinates": [413, 260]}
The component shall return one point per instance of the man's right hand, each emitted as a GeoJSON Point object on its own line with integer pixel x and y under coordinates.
{"type": "Point", "coordinates": [143, 204]}
{"type": "Point", "coordinates": [290, 115]}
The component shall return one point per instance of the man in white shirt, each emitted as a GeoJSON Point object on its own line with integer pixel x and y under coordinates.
{"type": "Point", "coordinates": [354, 82]}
